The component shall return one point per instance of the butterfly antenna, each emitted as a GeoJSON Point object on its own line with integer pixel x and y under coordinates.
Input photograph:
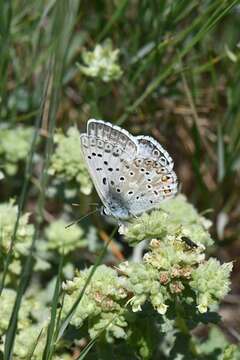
{"type": "Point", "coordinates": [81, 218]}
{"type": "Point", "coordinates": [90, 204]}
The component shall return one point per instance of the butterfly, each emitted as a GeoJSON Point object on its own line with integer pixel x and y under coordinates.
{"type": "Point", "coordinates": [131, 174]}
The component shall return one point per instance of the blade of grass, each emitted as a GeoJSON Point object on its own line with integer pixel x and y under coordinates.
{"type": "Point", "coordinates": [5, 25]}
{"type": "Point", "coordinates": [86, 349]}
{"type": "Point", "coordinates": [208, 25]}
{"type": "Point", "coordinates": [12, 328]}
{"type": "Point", "coordinates": [195, 114]}
{"type": "Point", "coordinates": [23, 195]}
{"type": "Point", "coordinates": [51, 327]}
{"type": "Point", "coordinates": [174, 40]}
{"type": "Point", "coordinates": [119, 12]}
{"type": "Point", "coordinates": [31, 352]}
{"type": "Point", "coordinates": [220, 148]}
{"type": "Point", "coordinates": [26, 271]}
{"type": "Point", "coordinates": [92, 342]}
{"type": "Point", "coordinates": [64, 323]}
{"type": "Point", "coordinates": [60, 40]}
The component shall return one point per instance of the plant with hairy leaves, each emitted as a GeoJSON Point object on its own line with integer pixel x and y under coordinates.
{"type": "Point", "coordinates": [174, 275]}
{"type": "Point", "coordinates": [63, 239]}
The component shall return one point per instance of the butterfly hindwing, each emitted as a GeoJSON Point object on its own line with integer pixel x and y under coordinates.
{"type": "Point", "coordinates": [148, 183]}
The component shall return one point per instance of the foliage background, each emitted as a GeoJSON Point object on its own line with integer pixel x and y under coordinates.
{"type": "Point", "coordinates": [179, 82]}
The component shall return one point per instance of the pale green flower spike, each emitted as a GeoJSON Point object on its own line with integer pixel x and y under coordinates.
{"type": "Point", "coordinates": [63, 239]}
{"type": "Point", "coordinates": [14, 147]}
{"type": "Point", "coordinates": [67, 162]}
{"type": "Point", "coordinates": [102, 62]}
{"type": "Point", "coordinates": [175, 218]}
{"type": "Point", "coordinates": [8, 216]}
{"type": "Point", "coordinates": [7, 300]}
{"type": "Point", "coordinates": [172, 255]}
{"type": "Point", "coordinates": [102, 294]}
{"type": "Point", "coordinates": [210, 281]}
{"type": "Point", "coordinates": [26, 340]}
{"type": "Point", "coordinates": [32, 319]}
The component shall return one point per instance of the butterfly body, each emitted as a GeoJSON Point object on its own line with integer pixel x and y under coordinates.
{"type": "Point", "coordinates": [131, 174]}
{"type": "Point", "coordinates": [116, 206]}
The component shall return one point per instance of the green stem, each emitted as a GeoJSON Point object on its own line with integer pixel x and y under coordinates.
{"type": "Point", "coordinates": [182, 326]}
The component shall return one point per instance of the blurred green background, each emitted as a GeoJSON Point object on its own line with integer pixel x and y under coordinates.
{"type": "Point", "coordinates": [177, 80]}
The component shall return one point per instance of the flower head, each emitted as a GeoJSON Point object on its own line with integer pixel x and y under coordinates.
{"type": "Point", "coordinates": [67, 161]}
{"type": "Point", "coordinates": [8, 217]}
{"type": "Point", "coordinates": [211, 283]}
{"type": "Point", "coordinates": [64, 239]}
{"type": "Point", "coordinates": [14, 146]}
{"type": "Point", "coordinates": [102, 62]}
{"type": "Point", "coordinates": [175, 219]}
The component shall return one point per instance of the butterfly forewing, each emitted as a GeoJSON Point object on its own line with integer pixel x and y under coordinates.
{"type": "Point", "coordinates": [114, 135]}
{"type": "Point", "coordinates": [105, 148]}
